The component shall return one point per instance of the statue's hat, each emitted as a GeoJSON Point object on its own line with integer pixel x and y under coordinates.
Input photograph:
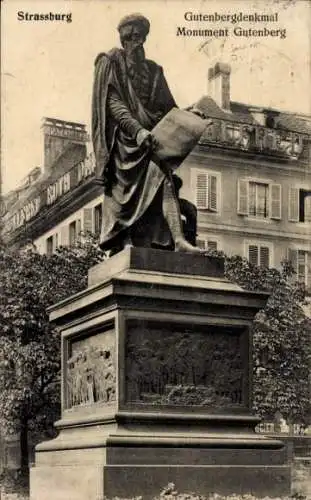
{"type": "Point", "coordinates": [135, 19]}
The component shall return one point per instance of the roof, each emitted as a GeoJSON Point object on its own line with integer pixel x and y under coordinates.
{"type": "Point", "coordinates": [244, 113]}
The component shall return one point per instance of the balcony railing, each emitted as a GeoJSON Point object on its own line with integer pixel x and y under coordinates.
{"type": "Point", "coordinates": [253, 138]}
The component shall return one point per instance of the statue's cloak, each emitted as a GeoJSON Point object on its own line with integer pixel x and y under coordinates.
{"type": "Point", "coordinates": [132, 181]}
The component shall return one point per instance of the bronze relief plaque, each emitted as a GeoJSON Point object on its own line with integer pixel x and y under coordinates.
{"type": "Point", "coordinates": [91, 370]}
{"type": "Point", "coordinates": [178, 366]}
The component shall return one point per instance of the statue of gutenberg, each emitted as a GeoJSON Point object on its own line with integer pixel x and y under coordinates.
{"type": "Point", "coordinates": [131, 95]}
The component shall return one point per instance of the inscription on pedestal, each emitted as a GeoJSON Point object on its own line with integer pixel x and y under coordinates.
{"type": "Point", "coordinates": [91, 370]}
{"type": "Point", "coordinates": [177, 366]}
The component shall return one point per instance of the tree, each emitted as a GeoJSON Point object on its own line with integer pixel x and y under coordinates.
{"type": "Point", "coordinates": [281, 342]}
{"type": "Point", "coordinates": [29, 344]}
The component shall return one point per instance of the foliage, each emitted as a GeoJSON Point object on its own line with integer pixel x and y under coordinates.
{"type": "Point", "coordinates": [29, 344]}
{"type": "Point", "coordinates": [281, 339]}
{"type": "Point", "coordinates": [281, 343]}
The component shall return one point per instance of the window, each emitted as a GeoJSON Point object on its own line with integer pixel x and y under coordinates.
{"type": "Point", "coordinates": [207, 244]}
{"type": "Point", "coordinates": [299, 205]}
{"type": "Point", "coordinates": [207, 189]}
{"type": "Point", "coordinates": [98, 216]}
{"type": "Point", "coordinates": [301, 262]}
{"type": "Point", "coordinates": [88, 220]}
{"type": "Point", "coordinates": [74, 232]}
{"type": "Point", "coordinates": [307, 208]}
{"type": "Point", "coordinates": [259, 254]}
{"type": "Point", "coordinates": [64, 235]}
{"type": "Point", "coordinates": [257, 199]}
{"type": "Point", "coordinates": [49, 245]}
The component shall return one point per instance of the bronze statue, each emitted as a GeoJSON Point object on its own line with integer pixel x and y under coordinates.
{"type": "Point", "coordinates": [130, 96]}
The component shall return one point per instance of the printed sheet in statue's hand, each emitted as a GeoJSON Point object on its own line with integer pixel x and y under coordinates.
{"type": "Point", "coordinates": [177, 134]}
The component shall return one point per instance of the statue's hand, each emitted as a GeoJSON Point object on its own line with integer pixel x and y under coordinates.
{"type": "Point", "coordinates": [197, 112]}
{"type": "Point", "coordinates": [146, 140]}
{"type": "Point", "coordinates": [200, 113]}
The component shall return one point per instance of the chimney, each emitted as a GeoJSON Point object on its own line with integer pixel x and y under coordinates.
{"type": "Point", "coordinates": [58, 134]}
{"type": "Point", "coordinates": [219, 85]}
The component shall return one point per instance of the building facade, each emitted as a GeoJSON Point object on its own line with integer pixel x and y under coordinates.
{"type": "Point", "coordinates": [249, 176]}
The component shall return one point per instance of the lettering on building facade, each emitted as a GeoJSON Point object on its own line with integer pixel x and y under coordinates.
{"type": "Point", "coordinates": [25, 213]}
{"type": "Point", "coordinates": [86, 167]}
{"type": "Point", "coordinates": [53, 192]}
{"type": "Point", "coordinates": [58, 188]}
{"type": "Point", "coordinates": [66, 133]}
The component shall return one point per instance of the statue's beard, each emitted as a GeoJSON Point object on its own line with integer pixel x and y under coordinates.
{"type": "Point", "coordinates": [135, 53]}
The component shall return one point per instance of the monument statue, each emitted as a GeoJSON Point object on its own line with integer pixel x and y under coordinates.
{"type": "Point", "coordinates": [131, 96]}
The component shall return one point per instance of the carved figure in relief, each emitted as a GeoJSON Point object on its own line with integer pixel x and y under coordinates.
{"type": "Point", "coordinates": [91, 376]}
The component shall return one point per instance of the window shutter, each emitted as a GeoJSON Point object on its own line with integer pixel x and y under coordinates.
{"type": "Point", "coordinates": [309, 272]}
{"type": "Point", "coordinates": [49, 245]}
{"type": "Point", "coordinates": [253, 254]}
{"type": "Point", "coordinates": [275, 201]}
{"type": "Point", "coordinates": [264, 257]}
{"type": "Point", "coordinates": [292, 256]}
{"type": "Point", "coordinates": [212, 245]}
{"type": "Point", "coordinates": [293, 204]}
{"type": "Point", "coordinates": [88, 220]}
{"type": "Point", "coordinates": [78, 229]}
{"type": "Point", "coordinates": [212, 194]}
{"type": "Point", "coordinates": [307, 209]}
{"type": "Point", "coordinates": [202, 190]}
{"type": "Point", "coordinates": [55, 241]}
{"type": "Point", "coordinates": [243, 197]}
{"type": "Point", "coordinates": [72, 233]}
{"type": "Point", "coordinates": [64, 236]}
{"type": "Point", "coordinates": [98, 216]}
{"type": "Point", "coordinates": [201, 243]}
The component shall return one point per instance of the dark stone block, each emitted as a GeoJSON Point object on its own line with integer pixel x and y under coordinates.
{"type": "Point", "coordinates": [176, 262]}
{"type": "Point", "coordinates": [160, 261]}
{"type": "Point", "coordinates": [148, 480]}
{"type": "Point", "coordinates": [194, 456]}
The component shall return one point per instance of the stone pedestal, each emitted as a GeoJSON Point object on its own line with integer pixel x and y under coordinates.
{"type": "Point", "coordinates": [156, 385]}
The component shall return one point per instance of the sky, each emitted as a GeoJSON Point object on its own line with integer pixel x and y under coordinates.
{"type": "Point", "coordinates": [47, 67]}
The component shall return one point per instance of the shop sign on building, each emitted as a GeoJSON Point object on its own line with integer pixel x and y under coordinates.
{"type": "Point", "coordinates": [86, 167]}
{"type": "Point", "coordinates": [54, 191]}
{"type": "Point", "coordinates": [58, 188]}
{"type": "Point", "coordinates": [72, 133]}
{"type": "Point", "coordinates": [25, 213]}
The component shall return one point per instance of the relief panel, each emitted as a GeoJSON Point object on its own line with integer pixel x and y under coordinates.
{"type": "Point", "coordinates": [91, 370]}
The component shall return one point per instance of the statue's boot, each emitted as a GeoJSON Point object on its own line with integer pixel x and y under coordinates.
{"type": "Point", "coordinates": [172, 215]}
{"type": "Point", "coordinates": [182, 245]}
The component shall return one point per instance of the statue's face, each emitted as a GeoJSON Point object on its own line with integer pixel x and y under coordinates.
{"type": "Point", "coordinates": [133, 39]}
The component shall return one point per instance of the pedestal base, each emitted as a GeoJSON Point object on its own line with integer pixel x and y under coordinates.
{"type": "Point", "coordinates": [131, 458]}
{"type": "Point", "coordinates": [156, 386]}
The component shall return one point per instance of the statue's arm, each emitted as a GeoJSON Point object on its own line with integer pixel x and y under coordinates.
{"type": "Point", "coordinates": [121, 115]}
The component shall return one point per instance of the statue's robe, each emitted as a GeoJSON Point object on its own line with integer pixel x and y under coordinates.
{"type": "Point", "coordinates": [124, 101]}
